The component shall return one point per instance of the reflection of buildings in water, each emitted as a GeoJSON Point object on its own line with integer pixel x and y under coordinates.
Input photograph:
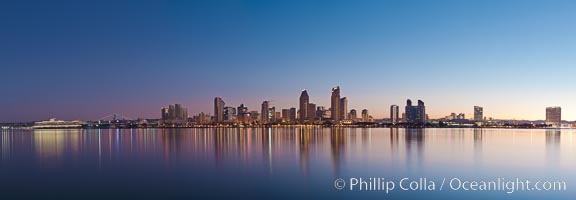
{"type": "Point", "coordinates": [366, 138]}
{"type": "Point", "coordinates": [414, 139]}
{"type": "Point", "coordinates": [553, 137]}
{"type": "Point", "coordinates": [220, 144]}
{"type": "Point", "coordinates": [6, 141]}
{"type": "Point", "coordinates": [236, 145]}
{"type": "Point", "coordinates": [173, 142]}
{"type": "Point", "coordinates": [394, 140]}
{"type": "Point", "coordinates": [266, 142]}
{"type": "Point", "coordinates": [338, 140]}
{"type": "Point", "coordinates": [478, 135]}
{"type": "Point", "coordinates": [305, 137]}
{"type": "Point", "coordinates": [243, 143]}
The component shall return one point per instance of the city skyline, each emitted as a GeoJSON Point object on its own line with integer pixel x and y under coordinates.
{"type": "Point", "coordinates": [73, 61]}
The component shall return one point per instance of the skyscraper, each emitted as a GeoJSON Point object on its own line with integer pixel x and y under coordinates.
{"type": "Point", "coordinates": [415, 114]}
{"type": "Point", "coordinates": [304, 101]}
{"type": "Point", "coordinates": [265, 114]}
{"type": "Point", "coordinates": [285, 115]}
{"type": "Point", "coordinates": [410, 112]}
{"type": "Point", "coordinates": [365, 116]}
{"type": "Point", "coordinates": [243, 114]}
{"type": "Point", "coordinates": [292, 114]}
{"type": "Point", "coordinates": [353, 115]}
{"type": "Point", "coordinates": [277, 116]}
{"type": "Point", "coordinates": [165, 114]}
{"type": "Point", "coordinates": [335, 104]}
{"type": "Point", "coordinates": [174, 113]}
{"type": "Point", "coordinates": [394, 114]}
{"type": "Point", "coordinates": [478, 114]}
{"type": "Point", "coordinates": [272, 115]}
{"type": "Point", "coordinates": [421, 112]}
{"type": "Point", "coordinates": [343, 108]}
{"type": "Point", "coordinates": [229, 114]}
{"type": "Point", "coordinates": [554, 117]}
{"type": "Point", "coordinates": [219, 110]}
{"type": "Point", "coordinates": [311, 112]}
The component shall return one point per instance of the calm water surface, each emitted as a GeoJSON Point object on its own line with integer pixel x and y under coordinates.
{"type": "Point", "coordinates": [278, 163]}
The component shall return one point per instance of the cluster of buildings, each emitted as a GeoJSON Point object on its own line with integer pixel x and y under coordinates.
{"type": "Point", "coordinates": [306, 113]}
{"type": "Point", "coordinates": [413, 114]}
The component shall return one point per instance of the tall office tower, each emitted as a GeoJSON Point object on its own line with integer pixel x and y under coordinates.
{"type": "Point", "coordinates": [304, 101]}
{"type": "Point", "coordinates": [353, 115]}
{"type": "Point", "coordinates": [292, 114]}
{"type": "Point", "coordinates": [410, 112]}
{"type": "Point", "coordinates": [343, 108]}
{"type": "Point", "coordinates": [265, 114]}
{"type": "Point", "coordinates": [365, 116]}
{"type": "Point", "coordinates": [320, 112]}
{"type": "Point", "coordinates": [243, 114]}
{"type": "Point", "coordinates": [335, 104]}
{"type": "Point", "coordinates": [285, 115]}
{"type": "Point", "coordinates": [165, 113]}
{"type": "Point", "coordinates": [171, 112]}
{"type": "Point", "coordinates": [254, 116]}
{"type": "Point", "coordinates": [229, 114]}
{"type": "Point", "coordinates": [554, 117]}
{"type": "Point", "coordinates": [311, 112]}
{"type": "Point", "coordinates": [202, 118]}
{"type": "Point", "coordinates": [394, 114]}
{"type": "Point", "coordinates": [277, 116]}
{"type": "Point", "coordinates": [478, 114]}
{"type": "Point", "coordinates": [421, 112]}
{"type": "Point", "coordinates": [272, 115]}
{"type": "Point", "coordinates": [219, 110]}
{"type": "Point", "coordinates": [175, 113]}
{"type": "Point", "coordinates": [181, 112]}
{"type": "Point", "coordinates": [415, 114]}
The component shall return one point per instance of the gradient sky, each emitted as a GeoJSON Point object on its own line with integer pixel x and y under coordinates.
{"type": "Point", "coordinates": [88, 59]}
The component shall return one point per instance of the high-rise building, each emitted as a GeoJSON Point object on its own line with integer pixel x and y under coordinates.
{"type": "Point", "coordinates": [254, 116]}
{"type": "Point", "coordinates": [554, 117]}
{"type": "Point", "coordinates": [285, 115]}
{"type": "Point", "coordinates": [181, 112]}
{"type": "Point", "coordinates": [394, 114]}
{"type": "Point", "coordinates": [335, 104]}
{"type": "Point", "coordinates": [415, 114]}
{"type": "Point", "coordinates": [165, 113]}
{"type": "Point", "coordinates": [321, 112]}
{"type": "Point", "coordinates": [243, 114]}
{"type": "Point", "coordinates": [353, 115]}
{"type": "Point", "coordinates": [343, 108]}
{"type": "Point", "coordinates": [174, 113]}
{"type": "Point", "coordinates": [229, 114]}
{"type": "Point", "coordinates": [478, 114]}
{"type": "Point", "coordinates": [292, 114]}
{"type": "Point", "coordinates": [277, 116]}
{"type": "Point", "coordinates": [203, 118]}
{"type": "Point", "coordinates": [265, 114]}
{"type": "Point", "coordinates": [304, 101]}
{"type": "Point", "coordinates": [219, 110]}
{"type": "Point", "coordinates": [272, 115]}
{"type": "Point", "coordinates": [311, 112]}
{"type": "Point", "coordinates": [365, 116]}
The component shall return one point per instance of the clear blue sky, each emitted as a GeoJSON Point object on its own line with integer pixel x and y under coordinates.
{"type": "Point", "coordinates": [87, 59]}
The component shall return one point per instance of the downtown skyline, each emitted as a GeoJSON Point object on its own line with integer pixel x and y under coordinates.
{"type": "Point", "coordinates": [410, 110]}
{"type": "Point", "coordinates": [83, 62]}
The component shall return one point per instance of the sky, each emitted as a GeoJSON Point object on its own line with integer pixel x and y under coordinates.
{"type": "Point", "coordinates": [89, 59]}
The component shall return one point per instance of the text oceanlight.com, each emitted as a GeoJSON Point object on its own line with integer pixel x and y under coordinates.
{"type": "Point", "coordinates": [508, 186]}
